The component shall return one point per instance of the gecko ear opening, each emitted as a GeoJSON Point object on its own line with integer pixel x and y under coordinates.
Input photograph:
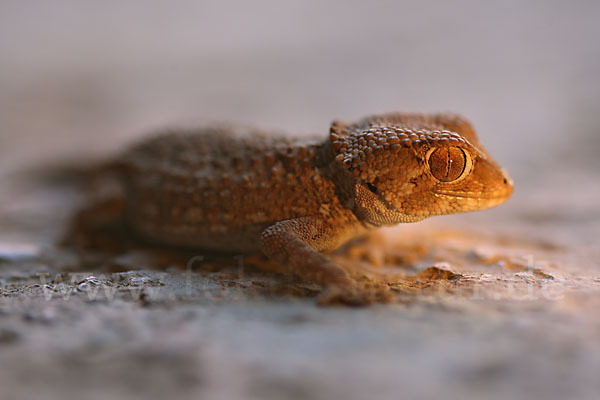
{"type": "Point", "coordinates": [372, 188]}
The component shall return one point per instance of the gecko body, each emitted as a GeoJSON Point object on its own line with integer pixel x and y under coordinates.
{"type": "Point", "coordinates": [240, 190]}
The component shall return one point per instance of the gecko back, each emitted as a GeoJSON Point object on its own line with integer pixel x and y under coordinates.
{"type": "Point", "coordinates": [219, 188]}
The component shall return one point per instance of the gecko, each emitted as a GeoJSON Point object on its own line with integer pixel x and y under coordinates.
{"type": "Point", "coordinates": [238, 189]}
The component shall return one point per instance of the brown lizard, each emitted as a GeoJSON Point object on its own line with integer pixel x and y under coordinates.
{"type": "Point", "coordinates": [239, 190]}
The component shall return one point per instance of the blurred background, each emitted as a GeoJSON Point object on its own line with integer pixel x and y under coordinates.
{"type": "Point", "coordinates": [79, 79]}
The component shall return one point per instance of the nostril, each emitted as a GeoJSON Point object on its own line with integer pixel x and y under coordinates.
{"type": "Point", "coordinates": [505, 181]}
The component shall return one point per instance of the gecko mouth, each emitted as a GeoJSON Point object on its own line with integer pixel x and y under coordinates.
{"type": "Point", "coordinates": [499, 196]}
{"type": "Point", "coordinates": [498, 193]}
{"type": "Point", "coordinates": [477, 201]}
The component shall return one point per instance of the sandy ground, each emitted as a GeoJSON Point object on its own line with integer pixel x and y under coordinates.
{"type": "Point", "coordinates": [490, 305]}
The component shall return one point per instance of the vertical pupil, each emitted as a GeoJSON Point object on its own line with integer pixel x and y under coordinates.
{"type": "Point", "coordinates": [447, 163]}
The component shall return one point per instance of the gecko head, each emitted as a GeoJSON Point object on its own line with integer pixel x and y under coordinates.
{"type": "Point", "coordinates": [408, 167]}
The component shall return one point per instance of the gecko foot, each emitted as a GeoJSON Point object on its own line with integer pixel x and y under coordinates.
{"type": "Point", "coordinates": [356, 295]}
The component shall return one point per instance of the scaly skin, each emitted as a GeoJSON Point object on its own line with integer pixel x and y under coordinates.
{"type": "Point", "coordinates": [239, 190]}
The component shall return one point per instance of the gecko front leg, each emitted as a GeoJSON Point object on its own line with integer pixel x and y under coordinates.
{"type": "Point", "coordinates": [296, 244]}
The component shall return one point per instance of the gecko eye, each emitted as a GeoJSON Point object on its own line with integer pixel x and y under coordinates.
{"type": "Point", "coordinates": [447, 164]}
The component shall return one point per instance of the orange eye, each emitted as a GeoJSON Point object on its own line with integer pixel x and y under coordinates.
{"type": "Point", "coordinates": [447, 164]}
